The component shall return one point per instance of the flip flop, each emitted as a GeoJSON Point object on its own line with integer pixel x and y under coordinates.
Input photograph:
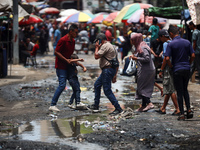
{"type": "Point", "coordinates": [160, 111]}
{"type": "Point", "coordinates": [176, 114]}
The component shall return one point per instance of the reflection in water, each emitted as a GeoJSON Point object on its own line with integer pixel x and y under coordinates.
{"type": "Point", "coordinates": [60, 130]}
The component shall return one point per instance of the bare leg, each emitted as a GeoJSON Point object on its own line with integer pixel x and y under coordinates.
{"type": "Point", "coordinates": [159, 87]}
{"type": "Point", "coordinates": [174, 100]}
{"type": "Point", "coordinates": [166, 99]}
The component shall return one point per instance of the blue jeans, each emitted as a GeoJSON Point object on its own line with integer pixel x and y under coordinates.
{"type": "Point", "coordinates": [105, 80]}
{"type": "Point", "coordinates": [181, 79]}
{"type": "Point", "coordinates": [76, 90]}
{"type": "Point", "coordinates": [62, 78]}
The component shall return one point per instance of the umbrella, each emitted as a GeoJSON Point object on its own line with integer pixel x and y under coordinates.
{"type": "Point", "coordinates": [68, 12]}
{"type": "Point", "coordinates": [111, 16]}
{"type": "Point", "coordinates": [49, 10]}
{"type": "Point", "coordinates": [30, 20]}
{"type": "Point", "coordinates": [138, 16]}
{"type": "Point", "coordinates": [98, 19]}
{"type": "Point", "coordinates": [128, 10]}
{"type": "Point", "coordinates": [108, 21]}
{"type": "Point", "coordinates": [78, 17]}
{"type": "Point", "coordinates": [42, 6]}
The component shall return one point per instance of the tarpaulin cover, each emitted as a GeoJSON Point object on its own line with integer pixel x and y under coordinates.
{"type": "Point", "coordinates": [167, 12]}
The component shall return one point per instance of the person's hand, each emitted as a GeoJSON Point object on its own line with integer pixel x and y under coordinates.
{"type": "Point", "coordinates": [114, 79]}
{"type": "Point", "coordinates": [155, 55]}
{"type": "Point", "coordinates": [133, 57]}
{"type": "Point", "coordinates": [161, 74]}
{"type": "Point", "coordinates": [84, 69]}
{"type": "Point", "coordinates": [81, 59]}
{"type": "Point", "coordinates": [97, 45]}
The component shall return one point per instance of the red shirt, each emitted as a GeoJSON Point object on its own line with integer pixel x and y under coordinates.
{"type": "Point", "coordinates": [34, 50]}
{"type": "Point", "coordinates": [66, 47]}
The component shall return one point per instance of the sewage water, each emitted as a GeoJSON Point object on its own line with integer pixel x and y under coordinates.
{"type": "Point", "coordinates": [64, 131]}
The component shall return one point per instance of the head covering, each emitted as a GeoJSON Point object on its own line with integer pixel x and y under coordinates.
{"type": "Point", "coordinates": [163, 32]}
{"type": "Point", "coordinates": [139, 43]}
{"type": "Point", "coordinates": [100, 36]}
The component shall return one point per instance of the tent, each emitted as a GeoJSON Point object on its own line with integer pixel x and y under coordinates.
{"type": "Point", "coordinates": [6, 7]}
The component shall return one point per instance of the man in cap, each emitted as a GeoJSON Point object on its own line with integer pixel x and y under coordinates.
{"type": "Point", "coordinates": [166, 74]}
{"type": "Point", "coordinates": [104, 50]}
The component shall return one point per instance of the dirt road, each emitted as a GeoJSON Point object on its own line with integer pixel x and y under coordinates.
{"type": "Point", "coordinates": [26, 99]}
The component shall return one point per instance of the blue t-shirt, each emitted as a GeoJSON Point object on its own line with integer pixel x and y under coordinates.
{"type": "Point", "coordinates": [196, 37]}
{"type": "Point", "coordinates": [165, 47]}
{"type": "Point", "coordinates": [180, 50]}
{"type": "Point", "coordinates": [58, 35]}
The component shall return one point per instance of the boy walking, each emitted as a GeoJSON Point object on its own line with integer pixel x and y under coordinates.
{"type": "Point", "coordinates": [74, 83]}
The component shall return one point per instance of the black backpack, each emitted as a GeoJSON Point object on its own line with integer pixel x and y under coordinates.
{"type": "Point", "coordinates": [114, 62]}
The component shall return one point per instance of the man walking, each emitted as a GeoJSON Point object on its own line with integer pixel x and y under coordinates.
{"type": "Point", "coordinates": [182, 56]}
{"type": "Point", "coordinates": [103, 51]}
{"type": "Point", "coordinates": [196, 47]}
{"type": "Point", "coordinates": [63, 51]}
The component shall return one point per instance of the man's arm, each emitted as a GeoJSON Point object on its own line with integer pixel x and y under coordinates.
{"type": "Point", "coordinates": [168, 61]}
{"type": "Point", "coordinates": [81, 65]}
{"type": "Point", "coordinates": [97, 46]}
{"type": "Point", "coordinates": [192, 57]}
{"type": "Point", "coordinates": [60, 56]}
{"type": "Point", "coordinates": [194, 44]}
{"type": "Point", "coordinates": [115, 77]}
{"type": "Point", "coordinates": [162, 67]}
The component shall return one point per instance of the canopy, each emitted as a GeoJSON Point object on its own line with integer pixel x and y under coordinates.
{"type": "Point", "coordinates": [167, 12]}
{"type": "Point", "coordinates": [6, 6]}
{"type": "Point", "coordinates": [128, 10]}
{"type": "Point", "coordinates": [32, 19]}
{"type": "Point", "coordinates": [68, 12]}
{"type": "Point", "coordinates": [78, 17]}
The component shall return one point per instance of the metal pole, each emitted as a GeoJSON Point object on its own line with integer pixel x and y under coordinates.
{"type": "Point", "coordinates": [15, 33]}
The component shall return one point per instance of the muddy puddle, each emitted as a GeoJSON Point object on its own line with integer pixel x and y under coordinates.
{"type": "Point", "coordinates": [68, 131]}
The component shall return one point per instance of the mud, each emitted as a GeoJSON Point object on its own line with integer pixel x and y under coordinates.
{"type": "Point", "coordinates": [26, 122]}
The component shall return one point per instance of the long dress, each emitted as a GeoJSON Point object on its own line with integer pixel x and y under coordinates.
{"type": "Point", "coordinates": [145, 74]}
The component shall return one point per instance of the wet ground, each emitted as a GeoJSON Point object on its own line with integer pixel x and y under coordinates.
{"type": "Point", "coordinates": [26, 122]}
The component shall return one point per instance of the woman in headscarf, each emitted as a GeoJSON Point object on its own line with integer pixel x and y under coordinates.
{"type": "Point", "coordinates": [145, 71]}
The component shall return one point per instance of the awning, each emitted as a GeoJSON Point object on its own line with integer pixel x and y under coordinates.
{"type": "Point", "coordinates": [6, 7]}
{"type": "Point", "coordinates": [167, 12]}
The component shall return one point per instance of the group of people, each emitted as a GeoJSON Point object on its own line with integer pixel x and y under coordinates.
{"type": "Point", "coordinates": [178, 55]}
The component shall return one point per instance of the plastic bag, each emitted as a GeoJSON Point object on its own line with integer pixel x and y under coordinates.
{"type": "Point", "coordinates": [131, 67]}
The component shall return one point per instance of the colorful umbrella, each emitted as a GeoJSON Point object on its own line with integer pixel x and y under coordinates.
{"type": "Point", "coordinates": [111, 16]}
{"type": "Point", "coordinates": [128, 10]}
{"type": "Point", "coordinates": [49, 10]}
{"type": "Point", "coordinates": [32, 19]}
{"type": "Point", "coordinates": [138, 17]}
{"type": "Point", "coordinates": [108, 21]}
{"type": "Point", "coordinates": [98, 19]}
{"type": "Point", "coordinates": [68, 12]}
{"type": "Point", "coordinates": [78, 17]}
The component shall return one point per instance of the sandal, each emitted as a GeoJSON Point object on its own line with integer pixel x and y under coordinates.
{"type": "Point", "coordinates": [190, 114]}
{"type": "Point", "coordinates": [160, 111]}
{"type": "Point", "coordinates": [181, 117]}
{"type": "Point", "coordinates": [175, 113]}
